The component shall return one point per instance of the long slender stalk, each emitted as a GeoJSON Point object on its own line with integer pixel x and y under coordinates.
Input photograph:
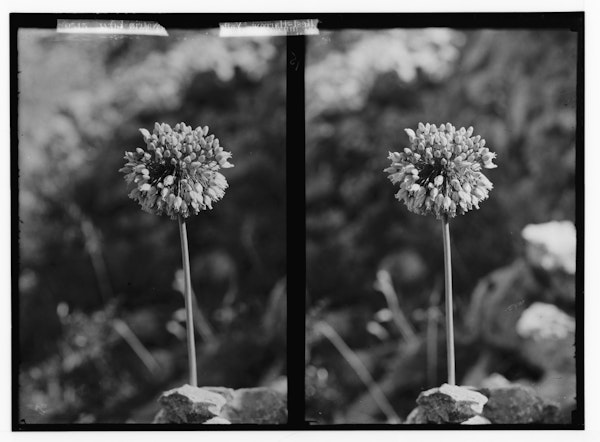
{"type": "Point", "coordinates": [433, 317]}
{"type": "Point", "coordinates": [188, 303]}
{"type": "Point", "coordinates": [448, 282]}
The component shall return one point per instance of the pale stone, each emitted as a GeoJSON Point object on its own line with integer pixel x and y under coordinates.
{"type": "Point", "coordinates": [476, 420]}
{"type": "Point", "coordinates": [217, 421]}
{"type": "Point", "coordinates": [189, 404]}
{"type": "Point", "coordinates": [256, 406]}
{"type": "Point", "coordinates": [451, 404]}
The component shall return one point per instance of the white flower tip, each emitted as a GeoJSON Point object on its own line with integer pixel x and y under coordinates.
{"type": "Point", "coordinates": [411, 134]}
{"type": "Point", "coordinates": [145, 133]}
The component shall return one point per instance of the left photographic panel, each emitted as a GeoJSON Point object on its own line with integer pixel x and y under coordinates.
{"type": "Point", "coordinates": [151, 228]}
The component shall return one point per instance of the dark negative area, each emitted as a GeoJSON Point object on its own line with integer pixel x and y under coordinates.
{"type": "Point", "coordinates": [296, 47]}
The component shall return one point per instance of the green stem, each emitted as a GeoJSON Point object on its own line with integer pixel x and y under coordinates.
{"type": "Point", "coordinates": [188, 303]}
{"type": "Point", "coordinates": [448, 282]}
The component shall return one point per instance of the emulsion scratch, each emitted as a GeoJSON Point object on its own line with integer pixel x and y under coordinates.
{"type": "Point", "coordinates": [514, 306]}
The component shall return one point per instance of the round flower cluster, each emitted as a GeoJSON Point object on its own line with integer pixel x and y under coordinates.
{"type": "Point", "coordinates": [440, 173]}
{"type": "Point", "coordinates": [178, 172]}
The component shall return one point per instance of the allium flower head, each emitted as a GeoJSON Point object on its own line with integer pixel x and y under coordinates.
{"type": "Point", "coordinates": [440, 173]}
{"type": "Point", "coordinates": [178, 171]}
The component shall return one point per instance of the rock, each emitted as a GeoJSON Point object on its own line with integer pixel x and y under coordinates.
{"type": "Point", "coordinates": [552, 245]}
{"type": "Point", "coordinates": [279, 384]}
{"type": "Point", "coordinates": [515, 404]}
{"type": "Point", "coordinates": [189, 404]}
{"type": "Point", "coordinates": [417, 416]}
{"type": "Point", "coordinates": [495, 380]}
{"type": "Point", "coordinates": [221, 405]}
{"type": "Point", "coordinates": [545, 321]}
{"type": "Point", "coordinates": [559, 388]}
{"type": "Point", "coordinates": [500, 403]}
{"type": "Point", "coordinates": [256, 406]}
{"type": "Point", "coordinates": [227, 393]}
{"type": "Point", "coordinates": [550, 354]}
{"type": "Point", "coordinates": [476, 420]}
{"type": "Point", "coordinates": [218, 421]}
{"type": "Point", "coordinates": [548, 338]}
{"type": "Point", "coordinates": [161, 417]}
{"type": "Point", "coordinates": [497, 303]}
{"type": "Point", "coordinates": [451, 404]}
{"type": "Point", "coordinates": [552, 414]}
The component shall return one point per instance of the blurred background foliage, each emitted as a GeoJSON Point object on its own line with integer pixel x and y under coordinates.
{"type": "Point", "coordinates": [518, 89]}
{"type": "Point", "coordinates": [101, 331]}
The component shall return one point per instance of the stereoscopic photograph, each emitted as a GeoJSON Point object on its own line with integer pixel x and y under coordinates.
{"type": "Point", "coordinates": [151, 226]}
{"type": "Point", "coordinates": [441, 239]}
{"type": "Point", "coordinates": [434, 231]}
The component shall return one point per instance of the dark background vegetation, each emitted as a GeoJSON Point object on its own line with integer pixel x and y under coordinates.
{"type": "Point", "coordinates": [518, 89]}
{"type": "Point", "coordinates": [99, 333]}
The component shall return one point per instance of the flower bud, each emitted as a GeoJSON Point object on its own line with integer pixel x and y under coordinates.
{"type": "Point", "coordinates": [145, 134]}
{"type": "Point", "coordinates": [447, 202]}
{"type": "Point", "coordinates": [177, 202]}
{"type": "Point", "coordinates": [411, 134]}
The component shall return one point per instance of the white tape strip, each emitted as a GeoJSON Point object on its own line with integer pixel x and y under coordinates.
{"type": "Point", "coordinates": [269, 28]}
{"type": "Point", "coordinates": [124, 27]}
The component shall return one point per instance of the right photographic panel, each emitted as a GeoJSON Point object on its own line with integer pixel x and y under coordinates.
{"type": "Point", "coordinates": [442, 210]}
